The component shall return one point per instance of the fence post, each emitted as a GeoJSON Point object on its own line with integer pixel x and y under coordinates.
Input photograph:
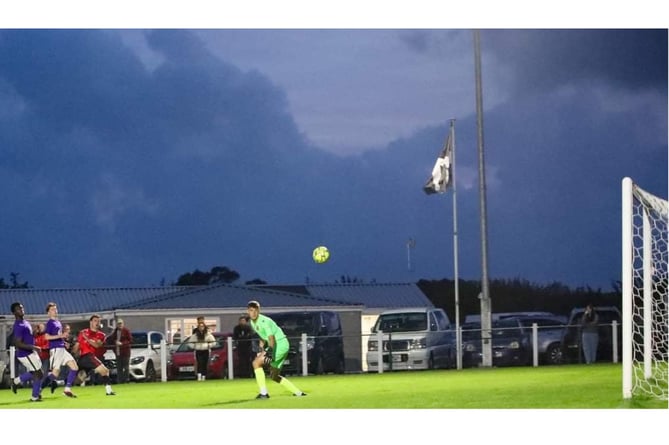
{"type": "Point", "coordinates": [535, 345]}
{"type": "Point", "coordinates": [12, 362]}
{"type": "Point", "coordinates": [379, 339]}
{"type": "Point", "coordinates": [163, 360]}
{"type": "Point", "coordinates": [231, 360]}
{"type": "Point", "coordinates": [305, 364]}
{"type": "Point", "coordinates": [614, 340]}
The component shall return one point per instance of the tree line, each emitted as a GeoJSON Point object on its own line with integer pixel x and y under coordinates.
{"type": "Point", "coordinates": [14, 282]}
{"type": "Point", "coordinates": [515, 295]}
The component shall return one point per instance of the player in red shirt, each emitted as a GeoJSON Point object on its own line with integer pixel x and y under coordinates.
{"type": "Point", "coordinates": [91, 341]}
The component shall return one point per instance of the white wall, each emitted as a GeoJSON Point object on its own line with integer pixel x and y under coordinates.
{"type": "Point", "coordinates": [366, 324]}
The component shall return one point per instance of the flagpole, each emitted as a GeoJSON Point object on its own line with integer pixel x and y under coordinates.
{"type": "Point", "coordinates": [486, 315]}
{"type": "Point", "coordinates": [458, 334]}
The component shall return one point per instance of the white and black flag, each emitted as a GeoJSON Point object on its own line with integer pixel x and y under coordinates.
{"type": "Point", "coordinates": [441, 173]}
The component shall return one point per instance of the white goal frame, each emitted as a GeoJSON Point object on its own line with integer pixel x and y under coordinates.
{"type": "Point", "coordinates": [644, 293]}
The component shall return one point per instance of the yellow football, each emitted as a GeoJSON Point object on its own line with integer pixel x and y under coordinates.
{"type": "Point", "coordinates": [321, 254]}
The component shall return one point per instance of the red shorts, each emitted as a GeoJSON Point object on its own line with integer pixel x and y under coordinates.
{"type": "Point", "coordinates": [89, 362]}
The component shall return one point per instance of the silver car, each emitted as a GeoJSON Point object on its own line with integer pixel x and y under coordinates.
{"type": "Point", "coordinates": [549, 336]}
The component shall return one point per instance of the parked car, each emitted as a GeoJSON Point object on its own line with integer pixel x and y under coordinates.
{"type": "Point", "coordinates": [325, 342]}
{"type": "Point", "coordinates": [418, 338]}
{"type": "Point", "coordinates": [549, 336]}
{"type": "Point", "coordinates": [181, 365]}
{"type": "Point", "coordinates": [476, 318]}
{"type": "Point", "coordinates": [571, 336]}
{"type": "Point", "coordinates": [145, 356]}
{"type": "Point", "coordinates": [511, 343]}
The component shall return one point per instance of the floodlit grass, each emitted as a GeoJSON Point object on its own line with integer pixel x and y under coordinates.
{"type": "Point", "coordinates": [576, 386]}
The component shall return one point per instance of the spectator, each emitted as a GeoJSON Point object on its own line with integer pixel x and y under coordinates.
{"type": "Point", "coordinates": [41, 342]}
{"type": "Point", "coordinates": [590, 334]}
{"type": "Point", "coordinates": [91, 344]}
{"type": "Point", "coordinates": [121, 339]}
{"type": "Point", "coordinates": [203, 341]}
{"type": "Point", "coordinates": [176, 338]}
{"type": "Point", "coordinates": [70, 341]}
{"type": "Point", "coordinates": [274, 350]}
{"type": "Point", "coordinates": [242, 334]}
{"type": "Point", "coordinates": [27, 353]}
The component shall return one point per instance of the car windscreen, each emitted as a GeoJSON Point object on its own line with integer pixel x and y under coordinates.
{"type": "Point", "coordinates": [294, 325]}
{"type": "Point", "coordinates": [505, 328]}
{"type": "Point", "coordinates": [471, 331]}
{"type": "Point", "coordinates": [403, 322]}
{"type": "Point", "coordinates": [542, 323]}
{"type": "Point", "coordinates": [139, 340]}
{"type": "Point", "coordinates": [186, 345]}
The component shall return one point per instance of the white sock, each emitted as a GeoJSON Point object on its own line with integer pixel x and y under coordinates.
{"type": "Point", "coordinates": [108, 389]}
{"type": "Point", "coordinates": [263, 391]}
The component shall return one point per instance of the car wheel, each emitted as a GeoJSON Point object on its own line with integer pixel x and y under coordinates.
{"type": "Point", "coordinates": [150, 373]}
{"type": "Point", "coordinates": [554, 355]}
{"type": "Point", "coordinates": [430, 362]}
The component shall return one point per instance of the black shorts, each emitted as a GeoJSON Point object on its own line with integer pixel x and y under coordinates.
{"type": "Point", "coordinates": [89, 362]}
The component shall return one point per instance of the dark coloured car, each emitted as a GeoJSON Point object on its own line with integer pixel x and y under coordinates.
{"type": "Point", "coordinates": [571, 339]}
{"type": "Point", "coordinates": [511, 343]}
{"type": "Point", "coordinates": [325, 343]}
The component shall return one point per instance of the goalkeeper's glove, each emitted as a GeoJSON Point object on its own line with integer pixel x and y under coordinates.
{"type": "Point", "coordinates": [269, 355]}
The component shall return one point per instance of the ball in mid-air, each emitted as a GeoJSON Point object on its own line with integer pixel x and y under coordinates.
{"type": "Point", "coordinates": [321, 254]}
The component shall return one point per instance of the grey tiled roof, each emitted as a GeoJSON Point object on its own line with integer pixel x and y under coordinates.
{"type": "Point", "coordinates": [373, 295]}
{"type": "Point", "coordinates": [78, 301]}
{"type": "Point", "coordinates": [231, 296]}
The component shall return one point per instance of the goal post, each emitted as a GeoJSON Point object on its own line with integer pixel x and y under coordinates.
{"type": "Point", "coordinates": [644, 293]}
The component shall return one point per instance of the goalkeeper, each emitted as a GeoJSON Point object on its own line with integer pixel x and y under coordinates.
{"type": "Point", "coordinates": [274, 350]}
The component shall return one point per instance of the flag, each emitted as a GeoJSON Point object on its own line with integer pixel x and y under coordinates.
{"type": "Point", "coordinates": [441, 172]}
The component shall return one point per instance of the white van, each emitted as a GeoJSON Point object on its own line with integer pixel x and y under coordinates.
{"type": "Point", "coordinates": [413, 338]}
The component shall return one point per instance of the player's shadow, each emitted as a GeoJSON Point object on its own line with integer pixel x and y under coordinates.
{"type": "Point", "coordinates": [20, 402]}
{"type": "Point", "coordinates": [228, 402]}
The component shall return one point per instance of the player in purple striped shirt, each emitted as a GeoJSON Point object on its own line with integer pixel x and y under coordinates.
{"type": "Point", "coordinates": [26, 353]}
{"type": "Point", "coordinates": [58, 354]}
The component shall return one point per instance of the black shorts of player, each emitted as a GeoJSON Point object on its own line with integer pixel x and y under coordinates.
{"type": "Point", "coordinates": [89, 362]}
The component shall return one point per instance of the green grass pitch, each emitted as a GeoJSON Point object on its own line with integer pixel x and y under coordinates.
{"type": "Point", "coordinates": [577, 386]}
{"type": "Point", "coordinates": [545, 405]}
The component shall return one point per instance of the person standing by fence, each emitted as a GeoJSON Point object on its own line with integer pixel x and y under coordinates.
{"type": "Point", "coordinates": [203, 341]}
{"type": "Point", "coordinates": [590, 334]}
{"type": "Point", "coordinates": [243, 334]}
{"type": "Point", "coordinates": [121, 339]}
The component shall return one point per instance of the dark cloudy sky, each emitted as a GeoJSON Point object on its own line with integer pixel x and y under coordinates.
{"type": "Point", "coordinates": [132, 156]}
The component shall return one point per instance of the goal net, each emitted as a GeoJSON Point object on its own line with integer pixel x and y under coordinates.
{"type": "Point", "coordinates": [644, 282]}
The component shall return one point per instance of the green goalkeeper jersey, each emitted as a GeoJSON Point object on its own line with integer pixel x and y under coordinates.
{"type": "Point", "coordinates": [265, 326]}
